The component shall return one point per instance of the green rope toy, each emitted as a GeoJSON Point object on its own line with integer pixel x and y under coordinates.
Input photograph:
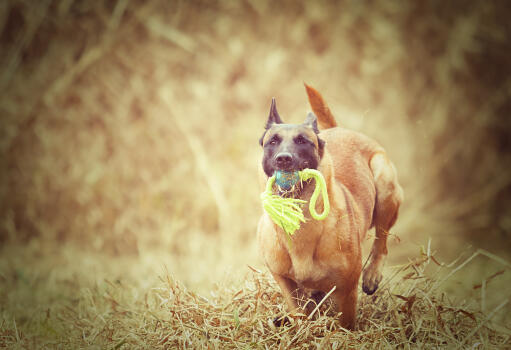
{"type": "Point", "coordinates": [287, 212]}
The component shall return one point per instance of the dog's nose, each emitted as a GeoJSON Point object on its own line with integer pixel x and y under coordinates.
{"type": "Point", "coordinates": [284, 159]}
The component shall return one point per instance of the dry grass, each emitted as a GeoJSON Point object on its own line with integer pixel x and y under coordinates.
{"type": "Point", "coordinates": [409, 311]}
{"type": "Point", "coordinates": [128, 141]}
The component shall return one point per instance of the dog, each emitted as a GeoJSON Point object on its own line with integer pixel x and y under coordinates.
{"type": "Point", "coordinates": [363, 191]}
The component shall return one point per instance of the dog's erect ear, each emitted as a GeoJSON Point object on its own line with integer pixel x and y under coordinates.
{"type": "Point", "coordinates": [321, 147]}
{"type": "Point", "coordinates": [312, 121]}
{"type": "Point", "coordinates": [273, 117]}
{"type": "Point", "coordinates": [262, 138]}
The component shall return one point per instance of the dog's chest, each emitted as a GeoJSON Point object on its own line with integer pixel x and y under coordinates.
{"type": "Point", "coordinates": [305, 269]}
{"type": "Point", "coordinates": [305, 265]}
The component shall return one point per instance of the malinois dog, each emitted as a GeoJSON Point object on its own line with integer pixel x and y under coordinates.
{"type": "Point", "coordinates": [364, 193]}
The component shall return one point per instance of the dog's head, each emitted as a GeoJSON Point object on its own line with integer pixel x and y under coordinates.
{"type": "Point", "coordinates": [290, 147]}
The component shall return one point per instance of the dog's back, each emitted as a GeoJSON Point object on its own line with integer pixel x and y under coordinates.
{"type": "Point", "coordinates": [350, 152]}
{"type": "Point", "coordinates": [362, 167]}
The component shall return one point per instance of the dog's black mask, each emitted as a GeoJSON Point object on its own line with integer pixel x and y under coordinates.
{"type": "Point", "coordinates": [290, 147]}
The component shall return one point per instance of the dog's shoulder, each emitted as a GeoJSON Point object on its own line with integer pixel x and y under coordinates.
{"type": "Point", "coordinates": [342, 142]}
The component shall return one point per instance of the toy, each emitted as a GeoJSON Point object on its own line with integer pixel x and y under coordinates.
{"type": "Point", "coordinates": [287, 212]}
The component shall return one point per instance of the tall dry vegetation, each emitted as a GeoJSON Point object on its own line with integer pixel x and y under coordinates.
{"type": "Point", "coordinates": [128, 141]}
{"type": "Point", "coordinates": [129, 124]}
{"type": "Point", "coordinates": [407, 312]}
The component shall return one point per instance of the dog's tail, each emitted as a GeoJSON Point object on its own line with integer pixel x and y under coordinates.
{"type": "Point", "coordinates": [325, 117]}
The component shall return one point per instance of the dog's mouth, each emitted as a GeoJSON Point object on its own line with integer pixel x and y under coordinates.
{"type": "Point", "coordinates": [288, 183]}
{"type": "Point", "coordinates": [294, 192]}
{"type": "Point", "coordinates": [292, 169]}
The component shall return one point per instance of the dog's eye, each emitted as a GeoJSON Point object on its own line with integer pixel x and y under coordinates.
{"type": "Point", "coordinates": [274, 140]}
{"type": "Point", "coordinates": [300, 140]}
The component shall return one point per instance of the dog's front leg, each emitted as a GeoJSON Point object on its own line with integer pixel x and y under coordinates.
{"type": "Point", "coordinates": [290, 291]}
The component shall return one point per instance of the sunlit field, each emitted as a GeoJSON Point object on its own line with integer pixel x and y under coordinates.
{"type": "Point", "coordinates": [129, 192]}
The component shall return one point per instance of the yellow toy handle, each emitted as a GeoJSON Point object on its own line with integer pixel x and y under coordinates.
{"type": "Point", "coordinates": [320, 187]}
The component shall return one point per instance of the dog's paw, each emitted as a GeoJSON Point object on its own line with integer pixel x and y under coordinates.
{"type": "Point", "coordinates": [317, 296]}
{"type": "Point", "coordinates": [371, 280]}
{"type": "Point", "coordinates": [281, 321]}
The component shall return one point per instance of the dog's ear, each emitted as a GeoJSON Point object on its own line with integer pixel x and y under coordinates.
{"type": "Point", "coordinates": [262, 138]}
{"type": "Point", "coordinates": [273, 117]}
{"type": "Point", "coordinates": [321, 147]}
{"type": "Point", "coordinates": [312, 121]}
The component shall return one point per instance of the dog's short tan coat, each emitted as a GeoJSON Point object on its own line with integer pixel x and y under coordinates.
{"type": "Point", "coordinates": [364, 193]}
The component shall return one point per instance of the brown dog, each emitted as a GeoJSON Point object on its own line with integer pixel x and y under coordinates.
{"type": "Point", "coordinates": [364, 193]}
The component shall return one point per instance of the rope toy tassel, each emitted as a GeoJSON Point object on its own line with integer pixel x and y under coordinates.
{"type": "Point", "coordinates": [287, 212]}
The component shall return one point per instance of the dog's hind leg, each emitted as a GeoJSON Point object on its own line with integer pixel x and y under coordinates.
{"type": "Point", "coordinates": [346, 302]}
{"type": "Point", "coordinates": [389, 196]}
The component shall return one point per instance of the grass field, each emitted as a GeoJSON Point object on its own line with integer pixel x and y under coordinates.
{"type": "Point", "coordinates": [129, 150]}
{"type": "Point", "coordinates": [65, 298]}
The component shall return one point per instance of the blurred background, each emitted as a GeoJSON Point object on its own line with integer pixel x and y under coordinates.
{"type": "Point", "coordinates": [129, 129]}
